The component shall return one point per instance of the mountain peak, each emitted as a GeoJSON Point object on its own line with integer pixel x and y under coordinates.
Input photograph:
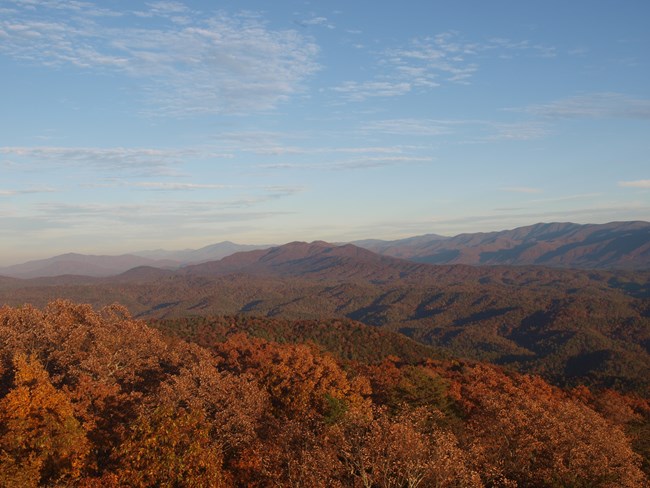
{"type": "Point", "coordinates": [317, 260]}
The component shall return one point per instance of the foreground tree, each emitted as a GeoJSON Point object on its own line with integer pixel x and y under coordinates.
{"type": "Point", "coordinates": [41, 441]}
{"type": "Point", "coordinates": [170, 448]}
{"type": "Point", "coordinates": [410, 450]}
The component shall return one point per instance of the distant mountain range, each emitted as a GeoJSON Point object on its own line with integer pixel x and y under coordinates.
{"type": "Point", "coordinates": [213, 252]}
{"type": "Point", "coordinates": [82, 265]}
{"type": "Point", "coordinates": [617, 245]}
{"type": "Point", "coordinates": [102, 266]}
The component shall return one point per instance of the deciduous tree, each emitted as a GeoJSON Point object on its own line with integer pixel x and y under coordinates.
{"type": "Point", "coordinates": [41, 441]}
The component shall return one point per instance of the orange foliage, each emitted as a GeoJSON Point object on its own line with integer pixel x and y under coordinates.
{"type": "Point", "coordinates": [233, 405]}
{"type": "Point", "coordinates": [296, 377]}
{"type": "Point", "coordinates": [522, 430]}
{"type": "Point", "coordinates": [41, 442]}
{"type": "Point", "coordinates": [170, 447]}
{"type": "Point", "coordinates": [409, 450]}
{"type": "Point", "coordinates": [97, 399]}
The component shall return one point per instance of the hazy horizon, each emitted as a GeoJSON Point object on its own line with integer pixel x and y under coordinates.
{"type": "Point", "coordinates": [137, 125]}
{"type": "Point", "coordinates": [95, 252]}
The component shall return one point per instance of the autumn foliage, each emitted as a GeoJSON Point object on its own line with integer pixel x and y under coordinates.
{"type": "Point", "coordinates": [97, 399]}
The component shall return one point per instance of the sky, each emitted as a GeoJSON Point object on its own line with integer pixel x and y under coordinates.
{"type": "Point", "coordinates": [129, 125]}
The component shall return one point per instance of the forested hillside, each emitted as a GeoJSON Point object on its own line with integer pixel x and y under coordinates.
{"type": "Point", "coordinates": [570, 326]}
{"type": "Point", "coordinates": [96, 398]}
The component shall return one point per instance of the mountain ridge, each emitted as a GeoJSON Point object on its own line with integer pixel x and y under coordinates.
{"type": "Point", "coordinates": [615, 245]}
{"type": "Point", "coordinates": [316, 260]}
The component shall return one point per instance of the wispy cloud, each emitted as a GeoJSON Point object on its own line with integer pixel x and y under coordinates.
{"type": "Point", "coordinates": [294, 150]}
{"type": "Point", "coordinates": [134, 161]}
{"type": "Point", "coordinates": [262, 142]}
{"type": "Point", "coordinates": [67, 6]}
{"type": "Point", "coordinates": [316, 21]}
{"type": "Point", "coordinates": [515, 131]}
{"type": "Point", "coordinates": [428, 62]}
{"type": "Point", "coordinates": [568, 198]}
{"type": "Point", "coordinates": [195, 63]}
{"type": "Point", "coordinates": [169, 186]}
{"type": "Point", "coordinates": [595, 214]}
{"type": "Point", "coordinates": [255, 193]}
{"type": "Point", "coordinates": [276, 191]}
{"type": "Point", "coordinates": [352, 164]}
{"type": "Point", "coordinates": [635, 184]}
{"type": "Point", "coordinates": [260, 195]}
{"type": "Point", "coordinates": [25, 191]}
{"type": "Point", "coordinates": [510, 48]}
{"type": "Point", "coordinates": [367, 150]}
{"type": "Point", "coordinates": [413, 127]}
{"type": "Point", "coordinates": [594, 106]}
{"type": "Point", "coordinates": [270, 143]}
{"type": "Point", "coordinates": [145, 215]}
{"type": "Point", "coordinates": [475, 131]}
{"type": "Point", "coordinates": [174, 11]}
{"type": "Point", "coordinates": [520, 189]}
{"type": "Point", "coordinates": [359, 91]}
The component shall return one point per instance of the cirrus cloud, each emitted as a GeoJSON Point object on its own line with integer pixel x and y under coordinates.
{"type": "Point", "coordinates": [136, 161]}
{"type": "Point", "coordinates": [635, 184]}
{"type": "Point", "coordinates": [594, 106]}
{"type": "Point", "coordinates": [429, 62]}
{"type": "Point", "coordinates": [185, 64]}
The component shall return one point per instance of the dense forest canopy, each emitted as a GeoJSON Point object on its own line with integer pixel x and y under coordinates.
{"type": "Point", "coordinates": [95, 398]}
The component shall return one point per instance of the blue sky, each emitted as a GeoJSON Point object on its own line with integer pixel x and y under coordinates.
{"type": "Point", "coordinates": [132, 125]}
